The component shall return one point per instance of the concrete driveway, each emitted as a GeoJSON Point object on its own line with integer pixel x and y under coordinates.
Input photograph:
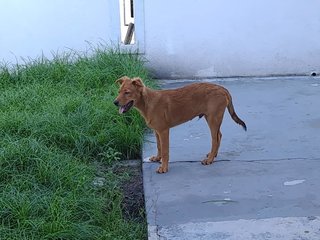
{"type": "Point", "coordinates": [265, 183]}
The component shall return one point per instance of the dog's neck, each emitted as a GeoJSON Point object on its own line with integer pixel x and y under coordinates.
{"type": "Point", "coordinates": [147, 95]}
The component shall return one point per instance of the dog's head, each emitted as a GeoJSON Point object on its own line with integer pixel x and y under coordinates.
{"type": "Point", "coordinates": [129, 93]}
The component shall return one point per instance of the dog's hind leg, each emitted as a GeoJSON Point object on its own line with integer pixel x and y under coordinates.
{"type": "Point", "coordinates": [219, 141]}
{"type": "Point", "coordinates": [214, 123]}
{"type": "Point", "coordinates": [158, 157]}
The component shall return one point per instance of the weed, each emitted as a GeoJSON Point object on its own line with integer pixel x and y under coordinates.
{"type": "Point", "coordinates": [56, 118]}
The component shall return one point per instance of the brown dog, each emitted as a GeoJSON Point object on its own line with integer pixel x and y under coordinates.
{"type": "Point", "coordinates": [163, 109]}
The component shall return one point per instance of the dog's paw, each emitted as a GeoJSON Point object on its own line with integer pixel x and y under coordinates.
{"type": "Point", "coordinates": [207, 161]}
{"type": "Point", "coordinates": [162, 169]}
{"type": "Point", "coordinates": [155, 159]}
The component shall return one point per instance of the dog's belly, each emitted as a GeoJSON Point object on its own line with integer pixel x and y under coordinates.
{"type": "Point", "coordinates": [184, 118]}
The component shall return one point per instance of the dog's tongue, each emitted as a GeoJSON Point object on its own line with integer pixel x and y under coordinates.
{"type": "Point", "coordinates": [121, 109]}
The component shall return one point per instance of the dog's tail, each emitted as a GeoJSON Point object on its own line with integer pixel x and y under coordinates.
{"type": "Point", "coordinates": [233, 114]}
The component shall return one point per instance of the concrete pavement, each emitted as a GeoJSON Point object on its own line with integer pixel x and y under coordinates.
{"type": "Point", "coordinates": [265, 183]}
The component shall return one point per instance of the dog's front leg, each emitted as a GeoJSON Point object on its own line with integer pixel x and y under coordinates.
{"type": "Point", "coordinates": [164, 145]}
{"type": "Point", "coordinates": [158, 157]}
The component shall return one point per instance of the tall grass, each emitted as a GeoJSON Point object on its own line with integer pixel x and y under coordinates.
{"type": "Point", "coordinates": [56, 118]}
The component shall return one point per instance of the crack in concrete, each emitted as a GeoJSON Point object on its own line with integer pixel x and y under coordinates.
{"type": "Point", "coordinates": [249, 161]}
{"type": "Point", "coordinates": [279, 159]}
{"type": "Point", "coordinates": [154, 228]}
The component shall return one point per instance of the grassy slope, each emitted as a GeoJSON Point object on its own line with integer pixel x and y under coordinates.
{"type": "Point", "coordinates": [56, 118]}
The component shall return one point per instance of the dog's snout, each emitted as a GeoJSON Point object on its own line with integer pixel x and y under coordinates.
{"type": "Point", "coordinates": [116, 102]}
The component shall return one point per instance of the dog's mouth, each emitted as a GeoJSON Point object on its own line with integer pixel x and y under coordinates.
{"type": "Point", "coordinates": [125, 108]}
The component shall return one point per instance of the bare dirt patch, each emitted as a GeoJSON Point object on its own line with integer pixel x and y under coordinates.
{"type": "Point", "coordinates": [132, 189]}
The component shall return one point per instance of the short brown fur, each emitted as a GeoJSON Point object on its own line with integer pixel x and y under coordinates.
{"type": "Point", "coordinates": [164, 109]}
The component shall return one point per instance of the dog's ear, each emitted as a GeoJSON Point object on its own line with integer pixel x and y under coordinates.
{"type": "Point", "coordinates": [137, 82]}
{"type": "Point", "coordinates": [120, 80]}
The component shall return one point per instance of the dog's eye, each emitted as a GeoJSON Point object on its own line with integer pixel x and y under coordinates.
{"type": "Point", "coordinates": [126, 93]}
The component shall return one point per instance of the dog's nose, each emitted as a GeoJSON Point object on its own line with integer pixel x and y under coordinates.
{"type": "Point", "coordinates": [116, 102]}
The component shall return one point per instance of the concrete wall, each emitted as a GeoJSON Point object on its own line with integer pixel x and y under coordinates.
{"type": "Point", "coordinates": [31, 27]}
{"type": "Point", "coordinates": [209, 38]}
{"type": "Point", "coordinates": [180, 38]}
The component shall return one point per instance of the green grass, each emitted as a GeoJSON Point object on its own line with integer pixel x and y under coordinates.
{"type": "Point", "coordinates": [56, 119]}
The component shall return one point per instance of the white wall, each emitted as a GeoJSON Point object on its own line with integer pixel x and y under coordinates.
{"type": "Point", "coordinates": [209, 38]}
{"type": "Point", "coordinates": [180, 38]}
{"type": "Point", "coordinates": [31, 27]}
